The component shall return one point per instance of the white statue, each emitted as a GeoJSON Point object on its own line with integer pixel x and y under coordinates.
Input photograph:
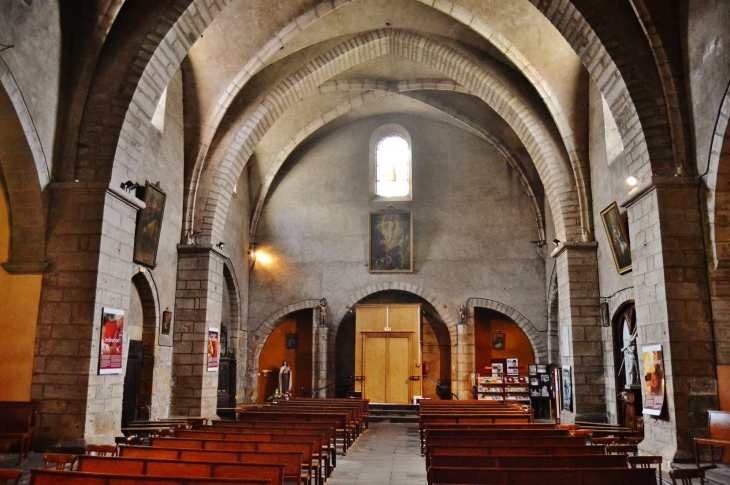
{"type": "Point", "coordinates": [285, 378]}
{"type": "Point", "coordinates": [629, 350]}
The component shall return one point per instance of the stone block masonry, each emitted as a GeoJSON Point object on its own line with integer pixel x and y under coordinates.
{"type": "Point", "coordinates": [198, 301]}
{"type": "Point", "coordinates": [672, 309]}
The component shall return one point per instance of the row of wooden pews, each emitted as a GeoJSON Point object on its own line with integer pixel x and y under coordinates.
{"type": "Point", "coordinates": [501, 444]}
{"type": "Point", "coordinates": [289, 442]}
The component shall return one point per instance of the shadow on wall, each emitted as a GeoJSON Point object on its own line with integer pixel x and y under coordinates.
{"type": "Point", "coordinates": [290, 341]}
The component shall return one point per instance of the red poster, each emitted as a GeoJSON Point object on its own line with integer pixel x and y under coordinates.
{"type": "Point", "coordinates": [213, 349]}
{"type": "Point", "coordinates": [112, 337]}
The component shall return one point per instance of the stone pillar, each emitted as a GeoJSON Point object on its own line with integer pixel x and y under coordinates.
{"type": "Point", "coordinates": [90, 244]}
{"type": "Point", "coordinates": [673, 309]}
{"type": "Point", "coordinates": [320, 336]}
{"type": "Point", "coordinates": [579, 317]}
{"type": "Point", "coordinates": [198, 301]}
{"type": "Point", "coordinates": [462, 356]}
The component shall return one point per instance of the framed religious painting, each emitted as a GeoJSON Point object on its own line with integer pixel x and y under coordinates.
{"type": "Point", "coordinates": [390, 241]}
{"type": "Point", "coordinates": [498, 341]}
{"type": "Point", "coordinates": [618, 238]}
{"type": "Point", "coordinates": [165, 339]}
{"type": "Point", "coordinates": [149, 224]}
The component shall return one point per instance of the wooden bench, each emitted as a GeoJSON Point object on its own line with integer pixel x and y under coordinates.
{"type": "Point", "coordinates": [718, 425]}
{"type": "Point", "coordinates": [17, 425]}
{"type": "Point", "coordinates": [225, 445]}
{"type": "Point", "coordinates": [292, 460]}
{"type": "Point", "coordinates": [316, 440]}
{"type": "Point", "coordinates": [340, 421]}
{"type": "Point", "coordinates": [542, 476]}
{"type": "Point", "coordinates": [567, 461]}
{"type": "Point", "coordinates": [147, 466]}
{"type": "Point", "coordinates": [54, 477]}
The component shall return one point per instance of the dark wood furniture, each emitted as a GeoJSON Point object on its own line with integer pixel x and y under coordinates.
{"type": "Point", "coordinates": [718, 425]}
{"type": "Point", "coordinates": [17, 425]}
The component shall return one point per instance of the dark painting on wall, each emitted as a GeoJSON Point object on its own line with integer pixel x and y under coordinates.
{"type": "Point", "coordinates": [165, 339]}
{"type": "Point", "coordinates": [618, 238]}
{"type": "Point", "coordinates": [149, 224]}
{"type": "Point", "coordinates": [391, 241]}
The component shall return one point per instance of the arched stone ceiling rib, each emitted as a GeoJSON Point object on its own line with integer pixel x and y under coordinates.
{"type": "Point", "coordinates": [555, 170]}
{"type": "Point", "coordinates": [374, 90]}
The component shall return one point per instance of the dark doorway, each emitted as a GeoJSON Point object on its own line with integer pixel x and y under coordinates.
{"type": "Point", "coordinates": [629, 393]}
{"type": "Point", "coordinates": [132, 382]}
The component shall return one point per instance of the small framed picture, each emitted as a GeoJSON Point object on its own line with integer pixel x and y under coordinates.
{"type": "Point", "coordinates": [541, 369]}
{"type": "Point", "coordinates": [292, 341]}
{"type": "Point", "coordinates": [498, 342]}
{"type": "Point", "coordinates": [545, 378]}
{"type": "Point", "coordinates": [532, 369]}
{"type": "Point", "coordinates": [165, 339]}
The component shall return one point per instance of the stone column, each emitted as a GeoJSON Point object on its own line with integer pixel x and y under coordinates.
{"type": "Point", "coordinates": [198, 301]}
{"type": "Point", "coordinates": [462, 357]}
{"type": "Point", "coordinates": [673, 309]}
{"type": "Point", "coordinates": [579, 317]}
{"type": "Point", "coordinates": [319, 355]}
{"type": "Point", "coordinates": [90, 244]}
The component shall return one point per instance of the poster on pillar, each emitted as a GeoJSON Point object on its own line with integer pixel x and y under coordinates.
{"type": "Point", "coordinates": [653, 379]}
{"type": "Point", "coordinates": [213, 349]}
{"type": "Point", "coordinates": [112, 341]}
{"type": "Point", "coordinates": [567, 389]}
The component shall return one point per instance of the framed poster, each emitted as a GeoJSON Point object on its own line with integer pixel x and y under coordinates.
{"type": "Point", "coordinates": [213, 349]}
{"type": "Point", "coordinates": [149, 223]}
{"type": "Point", "coordinates": [532, 370]}
{"type": "Point", "coordinates": [513, 368]}
{"type": "Point", "coordinates": [390, 247]}
{"type": "Point", "coordinates": [497, 369]}
{"type": "Point", "coordinates": [292, 341]}
{"type": "Point", "coordinates": [498, 341]}
{"type": "Point", "coordinates": [112, 341]}
{"type": "Point", "coordinates": [618, 238]}
{"type": "Point", "coordinates": [567, 389]}
{"type": "Point", "coordinates": [165, 339]}
{"type": "Point", "coordinates": [653, 379]}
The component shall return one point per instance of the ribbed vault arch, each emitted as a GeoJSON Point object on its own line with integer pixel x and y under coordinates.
{"type": "Point", "coordinates": [376, 89]}
{"type": "Point", "coordinates": [554, 168]}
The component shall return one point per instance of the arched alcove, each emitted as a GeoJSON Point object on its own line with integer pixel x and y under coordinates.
{"type": "Point", "coordinates": [291, 340]}
{"type": "Point", "coordinates": [489, 347]}
{"type": "Point", "coordinates": [435, 345]}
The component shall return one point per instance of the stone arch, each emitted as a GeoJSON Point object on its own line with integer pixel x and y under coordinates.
{"type": "Point", "coordinates": [147, 291]}
{"type": "Point", "coordinates": [554, 170]}
{"type": "Point", "coordinates": [268, 326]}
{"type": "Point", "coordinates": [375, 89]}
{"type": "Point", "coordinates": [617, 301]}
{"type": "Point", "coordinates": [538, 345]}
{"type": "Point", "coordinates": [447, 317]}
{"type": "Point", "coordinates": [24, 168]}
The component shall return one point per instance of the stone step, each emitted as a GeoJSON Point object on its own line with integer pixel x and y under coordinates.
{"type": "Point", "coordinates": [393, 419]}
{"type": "Point", "coordinates": [393, 413]}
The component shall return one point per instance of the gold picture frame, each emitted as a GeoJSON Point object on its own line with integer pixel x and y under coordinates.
{"type": "Point", "coordinates": [618, 238]}
{"type": "Point", "coordinates": [149, 225]}
{"type": "Point", "coordinates": [390, 241]}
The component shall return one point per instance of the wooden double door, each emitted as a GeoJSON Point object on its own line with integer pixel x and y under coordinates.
{"type": "Point", "coordinates": [386, 367]}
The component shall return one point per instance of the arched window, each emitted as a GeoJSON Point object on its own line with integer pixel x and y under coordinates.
{"type": "Point", "coordinates": [391, 154]}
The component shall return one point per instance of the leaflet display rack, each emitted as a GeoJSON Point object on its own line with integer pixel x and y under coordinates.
{"type": "Point", "coordinates": [490, 389]}
{"type": "Point", "coordinates": [517, 390]}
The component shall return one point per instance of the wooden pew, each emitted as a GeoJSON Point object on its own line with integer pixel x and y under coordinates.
{"type": "Point", "coordinates": [316, 440]}
{"type": "Point", "coordinates": [327, 434]}
{"type": "Point", "coordinates": [225, 445]}
{"type": "Point", "coordinates": [426, 420]}
{"type": "Point", "coordinates": [292, 460]}
{"type": "Point", "coordinates": [56, 477]}
{"type": "Point", "coordinates": [339, 420]}
{"type": "Point", "coordinates": [272, 473]}
{"type": "Point", "coordinates": [429, 435]}
{"type": "Point", "coordinates": [17, 425]}
{"type": "Point", "coordinates": [719, 434]}
{"type": "Point", "coordinates": [542, 476]}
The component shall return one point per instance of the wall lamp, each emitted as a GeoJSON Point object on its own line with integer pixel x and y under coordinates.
{"type": "Point", "coordinates": [556, 242]}
{"type": "Point", "coordinates": [220, 245]}
{"type": "Point", "coordinates": [129, 186]}
{"type": "Point", "coordinates": [632, 181]}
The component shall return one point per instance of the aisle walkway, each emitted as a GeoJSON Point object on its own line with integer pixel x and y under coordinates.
{"type": "Point", "coordinates": [386, 454]}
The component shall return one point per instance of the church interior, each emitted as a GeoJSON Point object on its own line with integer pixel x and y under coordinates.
{"type": "Point", "coordinates": [216, 205]}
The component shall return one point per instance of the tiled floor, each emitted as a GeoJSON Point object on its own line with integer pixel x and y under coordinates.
{"type": "Point", "coordinates": [386, 454]}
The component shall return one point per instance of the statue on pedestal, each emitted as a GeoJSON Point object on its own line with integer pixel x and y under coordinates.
{"type": "Point", "coordinates": [630, 367]}
{"type": "Point", "coordinates": [322, 311]}
{"type": "Point", "coordinates": [285, 380]}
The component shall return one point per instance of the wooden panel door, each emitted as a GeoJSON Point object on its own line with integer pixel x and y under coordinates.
{"type": "Point", "coordinates": [375, 369]}
{"type": "Point", "coordinates": [398, 386]}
